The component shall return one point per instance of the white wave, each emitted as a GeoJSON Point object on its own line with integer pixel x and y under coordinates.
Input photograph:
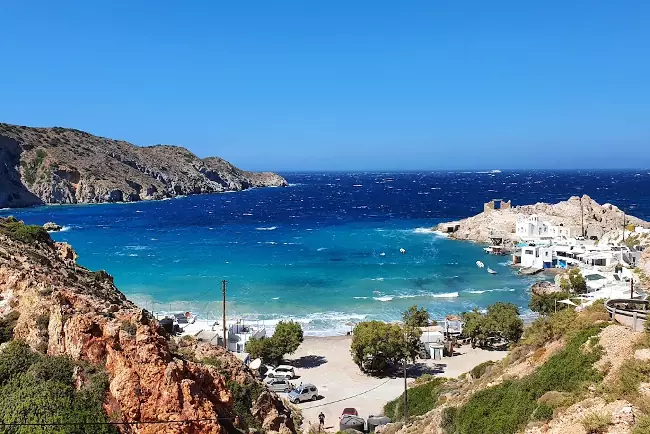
{"type": "Point", "coordinates": [382, 254]}
{"type": "Point", "coordinates": [65, 228]}
{"type": "Point", "coordinates": [357, 185]}
{"type": "Point", "coordinates": [295, 184]}
{"type": "Point", "coordinates": [270, 228]}
{"type": "Point", "coordinates": [275, 298]}
{"type": "Point", "coordinates": [472, 291]}
{"type": "Point", "coordinates": [446, 295]}
{"type": "Point", "coordinates": [379, 279]}
{"type": "Point", "coordinates": [320, 249]}
{"type": "Point", "coordinates": [136, 247]}
{"type": "Point", "coordinates": [133, 254]}
{"type": "Point", "coordinates": [424, 231]}
{"type": "Point", "coordinates": [383, 298]}
{"type": "Point", "coordinates": [361, 298]}
{"type": "Point", "coordinates": [247, 213]}
{"type": "Point", "coordinates": [270, 242]}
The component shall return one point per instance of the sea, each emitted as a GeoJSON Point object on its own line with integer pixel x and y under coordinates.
{"type": "Point", "coordinates": [325, 251]}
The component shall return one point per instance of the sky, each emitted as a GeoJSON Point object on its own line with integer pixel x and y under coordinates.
{"type": "Point", "coordinates": [341, 85]}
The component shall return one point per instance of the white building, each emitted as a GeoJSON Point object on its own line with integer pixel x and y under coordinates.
{"type": "Point", "coordinates": [537, 256]}
{"type": "Point", "coordinates": [533, 227]}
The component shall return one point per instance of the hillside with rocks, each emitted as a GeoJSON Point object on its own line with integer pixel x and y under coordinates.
{"type": "Point", "coordinates": [572, 373]}
{"type": "Point", "coordinates": [598, 219]}
{"type": "Point", "coordinates": [68, 166]}
{"type": "Point", "coordinates": [51, 307]}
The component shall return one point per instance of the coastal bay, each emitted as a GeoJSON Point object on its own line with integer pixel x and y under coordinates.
{"type": "Point", "coordinates": [324, 251]}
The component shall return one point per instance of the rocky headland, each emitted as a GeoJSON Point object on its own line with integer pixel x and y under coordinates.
{"type": "Point", "coordinates": [59, 308]}
{"type": "Point", "coordinates": [597, 219]}
{"type": "Point", "coordinates": [68, 166]}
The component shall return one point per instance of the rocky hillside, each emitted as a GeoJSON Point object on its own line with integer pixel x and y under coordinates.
{"type": "Point", "coordinates": [61, 165]}
{"type": "Point", "coordinates": [59, 308]}
{"type": "Point", "coordinates": [598, 219]}
{"type": "Point", "coordinates": [572, 373]}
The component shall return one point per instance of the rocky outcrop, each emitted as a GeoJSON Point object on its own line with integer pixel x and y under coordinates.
{"type": "Point", "coordinates": [68, 310]}
{"type": "Point", "coordinates": [51, 227]}
{"type": "Point", "coordinates": [544, 288]}
{"type": "Point", "coordinates": [60, 165]}
{"type": "Point", "coordinates": [598, 219]}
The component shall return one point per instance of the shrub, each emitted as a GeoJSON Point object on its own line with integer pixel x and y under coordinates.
{"type": "Point", "coordinates": [243, 398]}
{"type": "Point", "coordinates": [129, 328]}
{"type": "Point", "coordinates": [642, 426]}
{"type": "Point", "coordinates": [43, 321]}
{"type": "Point", "coordinates": [7, 325]}
{"type": "Point", "coordinates": [41, 389]}
{"type": "Point", "coordinates": [447, 419]}
{"type": "Point", "coordinates": [416, 317]}
{"type": "Point", "coordinates": [421, 399]}
{"type": "Point", "coordinates": [543, 412]}
{"type": "Point", "coordinates": [507, 407]}
{"type": "Point", "coordinates": [18, 231]}
{"type": "Point", "coordinates": [596, 423]}
{"type": "Point", "coordinates": [546, 304]}
{"type": "Point", "coordinates": [480, 369]}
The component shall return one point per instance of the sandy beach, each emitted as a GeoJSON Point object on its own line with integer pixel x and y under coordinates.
{"type": "Point", "coordinates": [327, 363]}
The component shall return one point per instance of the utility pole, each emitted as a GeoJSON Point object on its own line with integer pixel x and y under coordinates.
{"type": "Point", "coordinates": [225, 337]}
{"type": "Point", "coordinates": [632, 288]}
{"type": "Point", "coordinates": [582, 218]}
{"type": "Point", "coordinates": [623, 227]}
{"type": "Point", "coordinates": [406, 399]}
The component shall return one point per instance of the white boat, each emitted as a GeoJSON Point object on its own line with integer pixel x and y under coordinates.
{"type": "Point", "coordinates": [479, 264]}
{"type": "Point", "coordinates": [402, 251]}
{"type": "Point", "coordinates": [491, 271]}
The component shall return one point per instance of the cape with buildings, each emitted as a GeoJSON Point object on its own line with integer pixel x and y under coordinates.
{"type": "Point", "coordinates": [602, 240]}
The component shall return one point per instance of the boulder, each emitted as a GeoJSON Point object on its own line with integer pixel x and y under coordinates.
{"type": "Point", "coordinates": [52, 227]}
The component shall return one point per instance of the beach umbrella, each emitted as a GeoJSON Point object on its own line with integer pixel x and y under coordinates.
{"type": "Point", "coordinates": [567, 301]}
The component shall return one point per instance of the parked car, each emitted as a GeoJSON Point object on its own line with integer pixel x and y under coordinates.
{"type": "Point", "coordinates": [282, 371]}
{"type": "Point", "coordinates": [278, 384]}
{"type": "Point", "coordinates": [302, 393]}
{"type": "Point", "coordinates": [349, 411]}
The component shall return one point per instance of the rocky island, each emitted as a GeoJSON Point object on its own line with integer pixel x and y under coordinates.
{"type": "Point", "coordinates": [59, 317]}
{"type": "Point", "coordinates": [68, 166]}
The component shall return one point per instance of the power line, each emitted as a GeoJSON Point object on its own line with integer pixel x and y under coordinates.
{"type": "Point", "coordinates": [144, 422]}
{"type": "Point", "coordinates": [349, 397]}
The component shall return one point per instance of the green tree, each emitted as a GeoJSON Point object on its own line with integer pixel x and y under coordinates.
{"type": "Point", "coordinates": [377, 346]}
{"type": "Point", "coordinates": [416, 316]}
{"type": "Point", "coordinates": [286, 339]}
{"type": "Point", "coordinates": [501, 321]}
{"type": "Point", "coordinates": [545, 304]}
{"type": "Point", "coordinates": [574, 282]}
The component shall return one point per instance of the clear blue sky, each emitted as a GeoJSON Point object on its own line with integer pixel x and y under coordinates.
{"type": "Point", "coordinates": [341, 85]}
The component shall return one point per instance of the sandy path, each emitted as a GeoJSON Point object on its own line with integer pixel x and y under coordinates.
{"type": "Point", "coordinates": [327, 363]}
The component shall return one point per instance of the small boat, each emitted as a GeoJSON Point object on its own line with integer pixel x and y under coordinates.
{"type": "Point", "coordinates": [491, 271]}
{"type": "Point", "coordinates": [479, 264]}
{"type": "Point", "coordinates": [402, 251]}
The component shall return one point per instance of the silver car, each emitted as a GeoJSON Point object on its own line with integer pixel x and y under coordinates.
{"type": "Point", "coordinates": [304, 392]}
{"type": "Point", "coordinates": [278, 384]}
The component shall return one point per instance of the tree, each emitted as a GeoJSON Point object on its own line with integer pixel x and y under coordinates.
{"type": "Point", "coordinates": [285, 340]}
{"type": "Point", "coordinates": [573, 282]}
{"type": "Point", "coordinates": [377, 346]}
{"type": "Point", "coordinates": [545, 304]}
{"type": "Point", "coordinates": [501, 321]}
{"type": "Point", "coordinates": [416, 317]}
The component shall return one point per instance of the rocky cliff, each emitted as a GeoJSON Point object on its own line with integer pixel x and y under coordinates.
{"type": "Point", "coordinates": [65, 309]}
{"type": "Point", "coordinates": [598, 219]}
{"type": "Point", "coordinates": [61, 165]}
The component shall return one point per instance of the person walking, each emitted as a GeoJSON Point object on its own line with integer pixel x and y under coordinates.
{"type": "Point", "coordinates": [321, 420]}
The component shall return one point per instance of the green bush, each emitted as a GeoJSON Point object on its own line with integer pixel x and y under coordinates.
{"type": "Point", "coordinates": [480, 369]}
{"type": "Point", "coordinates": [447, 419]}
{"type": "Point", "coordinates": [18, 231]}
{"type": "Point", "coordinates": [7, 325]}
{"type": "Point", "coordinates": [41, 389]}
{"type": "Point", "coordinates": [507, 407]}
{"type": "Point", "coordinates": [378, 347]}
{"type": "Point", "coordinates": [596, 423]}
{"type": "Point", "coordinates": [543, 412]}
{"type": "Point", "coordinates": [545, 304]}
{"type": "Point", "coordinates": [243, 398]}
{"type": "Point", "coordinates": [642, 426]}
{"type": "Point", "coordinates": [421, 399]}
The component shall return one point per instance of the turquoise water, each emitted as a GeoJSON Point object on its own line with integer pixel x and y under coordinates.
{"type": "Point", "coordinates": [324, 251]}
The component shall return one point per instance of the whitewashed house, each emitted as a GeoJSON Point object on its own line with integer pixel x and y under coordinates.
{"type": "Point", "coordinates": [533, 227]}
{"type": "Point", "coordinates": [537, 257]}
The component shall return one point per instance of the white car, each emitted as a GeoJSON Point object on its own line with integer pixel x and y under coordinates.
{"type": "Point", "coordinates": [282, 371]}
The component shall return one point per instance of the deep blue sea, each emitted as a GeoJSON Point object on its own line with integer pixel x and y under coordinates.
{"type": "Point", "coordinates": [325, 250]}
